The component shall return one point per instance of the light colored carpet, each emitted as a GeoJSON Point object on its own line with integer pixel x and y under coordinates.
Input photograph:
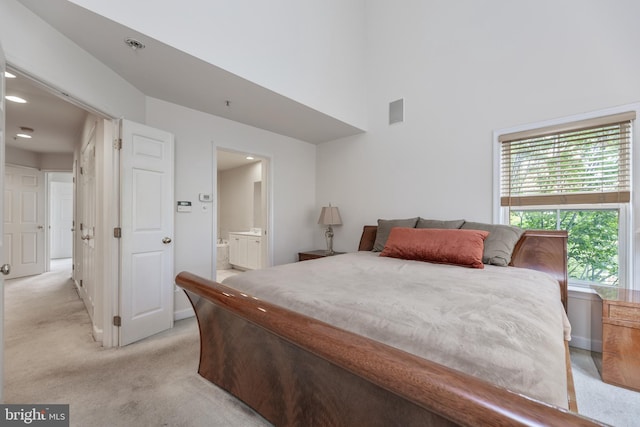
{"type": "Point", "coordinates": [50, 357]}
{"type": "Point", "coordinates": [613, 405]}
{"type": "Point", "coordinates": [223, 274]}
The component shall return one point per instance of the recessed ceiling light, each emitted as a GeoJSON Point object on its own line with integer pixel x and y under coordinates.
{"type": "Point", "coordinates": [134, 44]}
{"type": "Point", "coordinates": [8, 75]}
{"type": "Point", "coordinates": [15, 99]}
{"type": "Point", "coordinates": [26, 132]}
{"type": "Point", "coordinates": [249, 158]}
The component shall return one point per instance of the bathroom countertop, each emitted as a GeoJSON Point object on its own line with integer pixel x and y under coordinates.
{"type": "Point", "coordinates": [246, 233]}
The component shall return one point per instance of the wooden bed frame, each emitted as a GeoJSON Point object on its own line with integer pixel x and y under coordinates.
{"type": "Point", "coordinates": [298, 371]}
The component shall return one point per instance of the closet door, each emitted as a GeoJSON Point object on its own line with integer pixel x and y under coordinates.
{"type": "Point", "coordinates": [24, 221]}
{"type": "Point", "coordinates": [87, 224]}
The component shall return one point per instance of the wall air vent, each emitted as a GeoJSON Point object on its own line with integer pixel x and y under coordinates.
{"type": "Point", "coordinates": [396, 111]}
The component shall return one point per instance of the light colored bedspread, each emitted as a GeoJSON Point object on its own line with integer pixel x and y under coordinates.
{"type": "Point", "coordinates": [504, 325]}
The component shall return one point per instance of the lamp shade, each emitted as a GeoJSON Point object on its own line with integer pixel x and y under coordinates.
{"type": "Point", "coordinates": [330, 215]}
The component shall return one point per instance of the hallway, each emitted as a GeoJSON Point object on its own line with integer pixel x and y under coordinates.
{"type": "Point", "coordinates": [51, 357]}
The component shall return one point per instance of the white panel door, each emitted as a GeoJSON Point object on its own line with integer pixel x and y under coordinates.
{"type": "Point", "coordinates": [61, 219]}
{"type": "Point", "coordinates": [87, 224]}
{"type": "Point", "coordinates": [147, 277]}
{"type": "Point", "coordinates": [24, 221]}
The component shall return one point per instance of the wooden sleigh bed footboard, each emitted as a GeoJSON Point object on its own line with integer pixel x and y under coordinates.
{"type": "Point", "coordinates": [297, 371]}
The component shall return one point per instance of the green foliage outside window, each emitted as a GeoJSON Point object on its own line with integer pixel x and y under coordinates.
{"type": "Point", "coordinates": [593, 239]}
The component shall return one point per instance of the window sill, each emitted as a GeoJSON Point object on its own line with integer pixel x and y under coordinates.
{"type": "Point", "coordinates": [580, 289]}
{"type": "Point", "coordinates": [580, 292]}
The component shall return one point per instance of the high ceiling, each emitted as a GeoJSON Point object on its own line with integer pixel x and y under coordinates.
{"type": "Point", "coordinates": [166, 73]}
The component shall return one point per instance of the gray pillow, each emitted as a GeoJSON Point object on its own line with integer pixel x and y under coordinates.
{"type": "Point", "coordinates": [435, 223]}
{"type": "Point", "coordinates": [384, 228]}
{"type": "Point", "coordinates": [499, 244]}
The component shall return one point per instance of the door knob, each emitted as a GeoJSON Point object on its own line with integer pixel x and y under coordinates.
{"type": "Point", "coordinates": [41, 227]}
{"type": "Point", "coordinates": [166, 240]}
{"type": "Point", "coordinates": [5, 269]}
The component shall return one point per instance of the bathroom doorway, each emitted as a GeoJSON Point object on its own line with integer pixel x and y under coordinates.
{"type": "Point", "coordinates": [242, 213]}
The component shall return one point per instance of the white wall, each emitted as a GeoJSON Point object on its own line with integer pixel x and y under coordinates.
{"type": "Point", "coordinates": [464, 69]}
{"type": "Point", "coordinates": [42, 161]}
{"type": "Point", "coordinates": [236, 198]}
{"type": "Point", "coordinates": [34, 47]}
{"type": "Point", "coordinates": [585, 315]}
{"type": "Point", "coordinates": [310, 51]}
{"type": "Point", "coordinates": [198, 135]}
{"type": "Point", "coordinates": [56, 161]}
{"type": "Point", "coordinates": [18, 157]}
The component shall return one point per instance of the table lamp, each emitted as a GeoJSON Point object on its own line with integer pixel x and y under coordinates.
{"type": "Point", "coordinates": [329, 216]}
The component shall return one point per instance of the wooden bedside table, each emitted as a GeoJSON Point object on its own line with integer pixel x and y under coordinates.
{"type": "Point", "coordinates": [305, 256]}
{"type": "Point", "coordinates": [620, 336]}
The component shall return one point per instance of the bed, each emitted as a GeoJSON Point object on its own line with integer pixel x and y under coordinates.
{"type": "Point", "coordinates": [308, 365]}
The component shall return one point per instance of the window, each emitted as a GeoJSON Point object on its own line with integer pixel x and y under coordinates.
{"type": "Point", "coordinates": [592, 247]}
{"type": "Point", "coordinates": [573, 176]}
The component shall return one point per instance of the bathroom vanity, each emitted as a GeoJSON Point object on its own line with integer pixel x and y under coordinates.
{"type": "Point", "coordinates": [245, 249]}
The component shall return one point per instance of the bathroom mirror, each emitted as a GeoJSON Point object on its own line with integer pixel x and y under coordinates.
{"type": "Point", "coordinates": [257, 205]}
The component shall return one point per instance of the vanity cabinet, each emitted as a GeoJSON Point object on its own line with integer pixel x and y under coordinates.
{"type": "Point", "coordinates": [245, 251]}
{"type": "Point", "coordinates": [254, 252]}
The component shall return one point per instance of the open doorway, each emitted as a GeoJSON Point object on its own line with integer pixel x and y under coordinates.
{"type": "Point", "coordinates": [43, 131]}
{"type": "Point", "coordinates": [61, 220]}
{"type": "Point", "coordinates": [242, 213]}
{"type": "Point", "coordinates": [58, 128]}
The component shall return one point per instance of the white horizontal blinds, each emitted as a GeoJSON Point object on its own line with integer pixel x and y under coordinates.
{"type": "Point", "coordinates": [582, 162]}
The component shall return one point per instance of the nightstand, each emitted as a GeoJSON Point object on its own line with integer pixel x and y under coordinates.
{"type": "Point", "coordinates": [620, 336]}
{"type": "Point", "coordinates": [305, 256]}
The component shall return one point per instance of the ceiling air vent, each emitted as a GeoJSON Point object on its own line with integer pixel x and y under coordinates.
{"type": "Point", "coordinates": [133, 43]}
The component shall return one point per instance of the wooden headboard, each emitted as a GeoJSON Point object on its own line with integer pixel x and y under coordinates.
{"type": "Point", "coordinates": [540, 250]}
{"type": "Point", "coordinates": [368, 237]}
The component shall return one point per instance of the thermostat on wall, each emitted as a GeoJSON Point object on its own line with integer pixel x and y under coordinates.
{"type": "Point", "coordinates": [184, 206]}
{"type": "Point", "coordinates": [206, 197]}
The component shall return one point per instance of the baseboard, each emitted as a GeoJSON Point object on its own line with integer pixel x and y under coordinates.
{"type": "Point", "coordinates": [77, 285]}
{"type": "Point", "coordinates": [183, 314]}
{"type": "Point", "coordinates": [97, 334]}
{"type": "Point", "coordinates": [585, 343]}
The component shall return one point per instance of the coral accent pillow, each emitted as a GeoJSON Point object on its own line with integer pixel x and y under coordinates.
{"type": "Point", "coordinates": [451, 246]}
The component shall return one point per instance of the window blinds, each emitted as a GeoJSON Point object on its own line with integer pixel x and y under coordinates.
{"type": "Point", "coordinates": [585, 162]}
